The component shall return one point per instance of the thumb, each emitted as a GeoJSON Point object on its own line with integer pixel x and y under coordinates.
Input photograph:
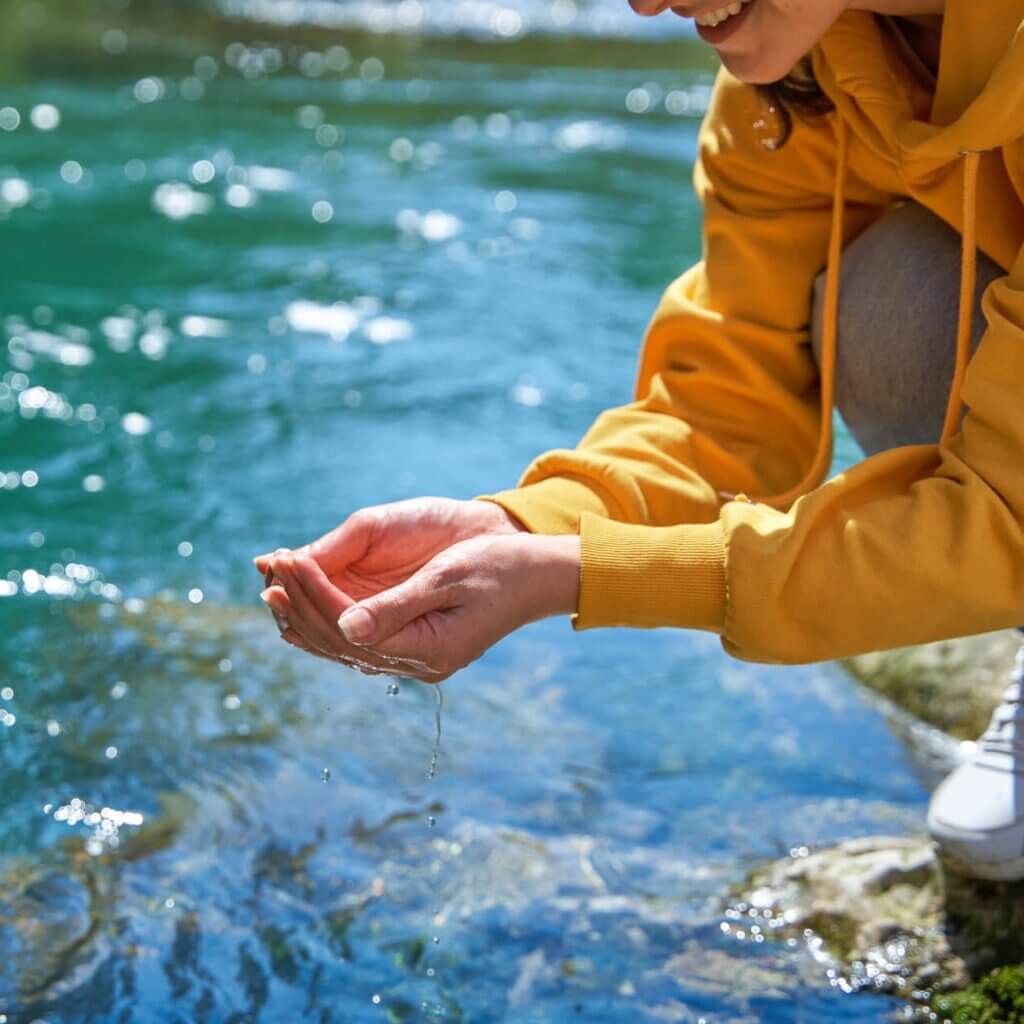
{"type": "Point", "coordinates": [380, 617]}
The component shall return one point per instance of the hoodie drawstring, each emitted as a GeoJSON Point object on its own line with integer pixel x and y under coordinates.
{"type": "Point", "coordinates": [823, 455]}
{"type": "Point", "coordinates": [968, 265]}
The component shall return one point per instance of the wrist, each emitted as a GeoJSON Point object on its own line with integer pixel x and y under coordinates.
{"type": "Point", "coordinates": [503, 521]}
{"type": "Point", "coordinates": [555, 573]}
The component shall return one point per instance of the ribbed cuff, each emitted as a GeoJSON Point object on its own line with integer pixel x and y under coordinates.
{"type": "Point", "coordinates": [550, 506]}
{"type": "Point", "coordinates": [648, 576]}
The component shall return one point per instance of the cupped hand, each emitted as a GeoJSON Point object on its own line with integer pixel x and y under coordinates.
{"type": "Point", "coordinates": [373, 550]}
{"type": "Point", "coordinates": [442, 616]}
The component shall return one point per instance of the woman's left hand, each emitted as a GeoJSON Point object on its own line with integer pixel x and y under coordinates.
{"type": "Point", "coordinates": [444, 616]}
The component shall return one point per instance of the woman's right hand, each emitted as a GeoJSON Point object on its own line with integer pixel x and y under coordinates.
{"type": "Point", "coordinates": [375, 549]}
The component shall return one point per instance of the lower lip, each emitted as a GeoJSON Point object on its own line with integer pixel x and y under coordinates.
{"type": "Point", "coordinates": [718, 34]}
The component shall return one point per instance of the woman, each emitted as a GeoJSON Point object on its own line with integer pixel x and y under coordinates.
{"type": "Point", "coordinates": [893, 157]}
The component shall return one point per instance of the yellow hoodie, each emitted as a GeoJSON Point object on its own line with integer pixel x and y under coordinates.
{"type": "Point", "coordinates": [915, 544]}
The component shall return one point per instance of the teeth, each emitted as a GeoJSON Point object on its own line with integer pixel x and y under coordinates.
{"type": "Point", "coordinates": [716, 17]}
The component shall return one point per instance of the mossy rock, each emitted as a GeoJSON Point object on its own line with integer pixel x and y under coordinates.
{"type": "Point", "coordinates": [872, 909]}
{"type": "Point", "coordinates": [887, 915]}
{"type": "Point", "coordinates": [997, 999]}
{"type": "Point", "coordinates": [953, 685]}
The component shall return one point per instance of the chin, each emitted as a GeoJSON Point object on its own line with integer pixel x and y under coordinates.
{"type": "Point", "coordinates": [756, 69]}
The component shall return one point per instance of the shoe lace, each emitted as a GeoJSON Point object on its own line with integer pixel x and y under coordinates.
{"type": "Point", "coordinates": [1005, 732]}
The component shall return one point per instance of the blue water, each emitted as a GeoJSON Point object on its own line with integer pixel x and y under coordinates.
{"type": "Point", "coordinates": [198, 363]}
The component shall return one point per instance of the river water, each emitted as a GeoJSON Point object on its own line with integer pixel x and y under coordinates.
{"type": "Point", "coordinates": [263, 264]}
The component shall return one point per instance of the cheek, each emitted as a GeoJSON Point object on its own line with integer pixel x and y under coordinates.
{"type": "Point", "coordinates": [646, 8]}
{"type": "Point", "coordinates": [776, 36]}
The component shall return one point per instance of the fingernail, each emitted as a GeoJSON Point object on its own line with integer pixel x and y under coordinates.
{"type": "Point", "coordinates": [356, 625]}
{"type": "Point", "coordinates": [282, 622]}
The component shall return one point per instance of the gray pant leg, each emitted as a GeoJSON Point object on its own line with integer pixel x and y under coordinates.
{"type": "Point", "coordinates": [896, 341]}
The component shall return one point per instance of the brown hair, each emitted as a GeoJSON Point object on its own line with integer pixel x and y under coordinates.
{"type": "Point", "coordinates": [798, 93]}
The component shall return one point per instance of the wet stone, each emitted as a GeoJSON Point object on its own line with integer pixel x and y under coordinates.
{"type": "Point", "coordinates": [953, 685]}
{"type": "Point", "coordinates": [885, 914]}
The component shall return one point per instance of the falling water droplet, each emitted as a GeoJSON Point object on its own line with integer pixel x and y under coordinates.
{"type": "Point", "coordinates": [325, 775]}
{"type": "Point", "coordinates": [394, 689]}
{"type": "Point", "coordinates": [435, 1009]}
{"type": "Point", "coordinates": [432, 770]}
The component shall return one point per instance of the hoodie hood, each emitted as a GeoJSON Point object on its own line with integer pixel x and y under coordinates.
{"type": "Point", "coordinates": [979, 93]}
{"type": "Point", "coordinates": [945, 159]}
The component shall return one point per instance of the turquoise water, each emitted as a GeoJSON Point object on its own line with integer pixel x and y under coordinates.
{"type": "Point", "coordinates": [258, 275]}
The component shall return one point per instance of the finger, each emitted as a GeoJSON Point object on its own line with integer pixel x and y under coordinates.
{"type": "Point", "coordinates": [317, 630]}
{"type": "Point", "coordinates": [332, 602]}
{"type": "Point", "coordinates": [263, 562]}
{"type": "Point", "coordinates": [328, 599]}
{"type": "Point", "coordinates": [290, 636]}
{"type": "Point", "coordinates": [421, 643]}
{"type": "Point", "coordinates": [296, 640]}
{"type": "Point", "coordinates": [307, 617]}
{"type": "Point", "coordinates": [345, 544]}
{"type": "Point", "coordinates": [377, 619]}
{"type": "Point", "coordinates": [277, 601]}
{"type": "Point", "coordinates": [300, 614]}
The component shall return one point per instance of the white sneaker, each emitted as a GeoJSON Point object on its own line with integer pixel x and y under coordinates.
{"type": "Point", "coordinates": [977, 814]}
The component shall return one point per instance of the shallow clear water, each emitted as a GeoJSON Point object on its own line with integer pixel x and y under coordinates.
{"type": "Point", "coordinates": [242, 297]}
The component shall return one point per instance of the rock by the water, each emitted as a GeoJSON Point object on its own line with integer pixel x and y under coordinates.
{"type": "Point", "coordinates": [870, 908]}
{"type": "Point", "coordinates": [884, 915]}
{"type": "Point", "coordinates": [996, 999]}
{"type": "Point", "coordinates": [953, 685]}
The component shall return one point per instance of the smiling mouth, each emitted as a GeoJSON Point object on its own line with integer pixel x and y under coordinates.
{"type": "Point", "coordinates": [712, 18]}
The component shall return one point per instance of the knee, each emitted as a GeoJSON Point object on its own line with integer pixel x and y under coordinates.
{"type": "Point", "coordinates": [896, 328]}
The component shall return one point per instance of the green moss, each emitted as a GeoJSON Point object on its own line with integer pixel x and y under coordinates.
{"type": "Point", "coordinates": [952, 685]}
{"type": "Point", "coordinates": [997, 999]}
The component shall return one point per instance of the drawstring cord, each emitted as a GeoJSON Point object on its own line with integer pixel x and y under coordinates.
{"type": "Point", "coordinates": [823, 455]}
{"type": "Point", "coordinates": [968, 267]}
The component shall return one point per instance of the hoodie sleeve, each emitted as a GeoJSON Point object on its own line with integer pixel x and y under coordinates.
{"type": "Point", "coordinates": [913, 545]}
{"type": "Point", "coordinates": [727, 397]}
